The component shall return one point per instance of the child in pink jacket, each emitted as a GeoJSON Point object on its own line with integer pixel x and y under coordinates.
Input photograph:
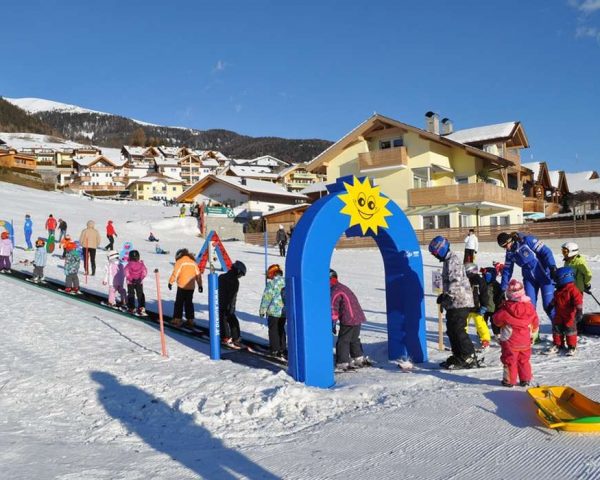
{"type": "Point", "coordinates": [135, 272]}
{"type": "Point", "coordinates": [519, 323]}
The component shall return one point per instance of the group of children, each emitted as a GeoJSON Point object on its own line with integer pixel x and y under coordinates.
{"type": "Point", "coordinates": [511, 313]}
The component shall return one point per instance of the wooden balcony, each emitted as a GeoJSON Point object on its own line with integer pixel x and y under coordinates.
{"type": "Point", "coordinates": [96, 188]}
{"type": "Point", "coordinates": [383, 159]}
{"type": "Point", "coordinates": [464, 193]}
{"type": "Point", "coordinates": [532, 204]}
{"type": "Point", "coordinates": [101, 169]}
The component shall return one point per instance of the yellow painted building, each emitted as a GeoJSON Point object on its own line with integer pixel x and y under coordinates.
{"type": "Point", "coordinates": [439, 181]}
{"type": "Point", "coordinates": [155, 186]}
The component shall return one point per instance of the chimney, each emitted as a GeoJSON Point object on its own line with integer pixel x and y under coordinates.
{"type": "Point", "coordinates": [447, 126]}
{"type": "Point", "coordinates": [432, 122]}
{"type": "Point", "coordinates": [243, 181]}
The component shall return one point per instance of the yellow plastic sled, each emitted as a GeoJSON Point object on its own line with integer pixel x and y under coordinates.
{"type": "Point", "coordinates": [564, 408]}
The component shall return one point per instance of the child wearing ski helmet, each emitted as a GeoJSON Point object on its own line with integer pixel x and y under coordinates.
{"type": "Point", "coordinates": [229, 285]}
{"type": "Point", "coordinates": [39, 261]}
{"type": "Point", "coordinates": [581, 270]}
{"type": "Point", "coordinates": [72, 264]}
{"type": "Point", "coordinates": [481, 301]}
{"type": "Point", "coordinates": [457, 299]}
{"type": "Point", "coordinates": [187, 274]}
{"type": "Point", "coordinates": [114, 277]}
{"type": "Point", "coordinates": [272, 306]}
{"type": "Point", "coordinates": [346, 309]}
{"type": "Point", "coordinates": [495, 296]}
{"type": "Point", "coordinates": [518, 323]}
{"type": "Point", "coordinates": [6, 249]}
{"type": "Point", "coordinates": [568, 305]}
{"type": "Point", "coordinates": [135, 272]}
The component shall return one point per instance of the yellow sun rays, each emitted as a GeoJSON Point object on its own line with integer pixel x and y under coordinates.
{"type": "Point", "coordinates": [365, 206]}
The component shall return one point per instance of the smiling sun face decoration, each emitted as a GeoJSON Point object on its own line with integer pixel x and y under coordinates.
{"type": "Point", "coordinates": [365, 205]}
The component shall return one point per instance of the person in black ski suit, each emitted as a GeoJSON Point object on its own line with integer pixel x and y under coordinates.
{"type": "Point", "coordinates": [457, 300]}
{"type": "Point", "coordinates": [229, 284]}
{"type": "Point", "coordinates": [281, 240]}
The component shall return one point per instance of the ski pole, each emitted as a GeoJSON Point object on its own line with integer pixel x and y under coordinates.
{"type": "Point", "coordinates": [163, 341]}
{"type": "Point", "coordinates": [87, 252]}
{"type": "Point", "coordinates": [440, 329]}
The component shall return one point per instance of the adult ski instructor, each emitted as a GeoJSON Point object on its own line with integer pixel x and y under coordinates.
{"type": "Point", "coordinates": [537, 266]}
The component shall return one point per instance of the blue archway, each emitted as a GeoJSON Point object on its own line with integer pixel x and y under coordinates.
{"type": "Point", "coordinates": [308, 295]}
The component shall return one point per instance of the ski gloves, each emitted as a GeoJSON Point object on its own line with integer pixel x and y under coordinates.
{"type": "Point", "coordinates": [442, 298]}
{"type": "Point", "coordinates": [170, 285]}
{"type": "Point", "coordinates": [588, 289]}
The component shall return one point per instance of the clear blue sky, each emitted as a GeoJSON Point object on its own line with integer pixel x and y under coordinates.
{"type": "Point", "coordinates": [318, 68]}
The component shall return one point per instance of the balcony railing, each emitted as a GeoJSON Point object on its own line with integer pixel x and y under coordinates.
{"type": "Point", "coordinates": [533, 205]}
{"type": "Point", "coordinates": [380, 159]}
{"type": "Point", "coordinates": [464, 193]}
{"type": "Point", "coordinates": [111, 188]}
{"type": "Point", "coordinates": [102, 169]}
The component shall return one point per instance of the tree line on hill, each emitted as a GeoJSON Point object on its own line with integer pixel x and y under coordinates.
{"type": "Point", "coordinates": [105, 130]}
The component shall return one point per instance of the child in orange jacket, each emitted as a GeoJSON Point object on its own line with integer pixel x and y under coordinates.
{"type": "Point", "coordinates": [187, 274]}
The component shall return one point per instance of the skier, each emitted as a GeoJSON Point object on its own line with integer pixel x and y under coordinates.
{"type": "Point", "coordinates": [471, 247]}
{"type": "Point", "coordinates": [229, 284]}
{"type": "Point", "coordinates": [135, 272]}
{"type": "Point", "coordinates": [152, 238]}
{"type": "Point", "coordinates": [272, 307]}
{"type": "Point", "coordinates": [63, 244]}
{"type": "Point", "coordinates": [495, 297]}
{"type": "Point", "coordinates": [62, 228]}
{"type": "Point", "coordinates": [6, 249]}
{"type": "Point", "coordinates": [346, 309]}
{"type": "Point", "coordinates": [39, 261]}
{"type": "Point", "coordinates": [50, 224]}
{"type": "Point", "coordinates": [581, 270]}
{"type": "Point", "coordinates": [110, 234]}
{"type": "Point", "coordinates": [72, 264]}
{"type": "Point", "coordinates": [28, 230]}
{"type": "Point", "coordinates": [457, 300]}
{"type": "Point", "coordinates": [537, 266]}
{"type": "Point", "coordinates": [90, 241]}
{"type": "Point", "coordinates": [568, 312]}
{"type": "Point", "coordinates": [114, 277]}
{"type": "Point", "coordinates": [480, 299]}
{"type": "Point", "coordinates": [182, 211]}
{"type": "Point", "coordinates": [281, 240]}
{"type": "Point", "coordinates": [518, 323]}
{"type": "Point", "coordinates": [187, 274]}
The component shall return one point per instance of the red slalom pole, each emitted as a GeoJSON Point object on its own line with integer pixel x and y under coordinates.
{"type": "Point", "coordinates": [163, 341]}
{"type": "Point", "coordinates": [87, 252]}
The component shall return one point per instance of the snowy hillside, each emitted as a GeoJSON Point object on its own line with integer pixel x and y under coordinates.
{"type": "Point", "coordinates": [85, 394]}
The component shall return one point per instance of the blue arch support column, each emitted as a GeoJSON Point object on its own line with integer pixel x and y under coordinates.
{"type": "Point", "coordinates": [308, 306]}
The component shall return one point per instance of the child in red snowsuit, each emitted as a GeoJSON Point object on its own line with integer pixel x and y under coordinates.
{"type": "Point", "coordinates": [519, 323]}
{"type": "Point", "coordinates": [568, 308]}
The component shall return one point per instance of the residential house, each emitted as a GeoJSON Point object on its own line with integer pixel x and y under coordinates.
{"type": "Point", "coordinates": [168, 166]}
{"type": "Point", "coordinates": [437, 180]}
{"type": "Point", "coordinates": [296, 178]}
{"type": "Point", "coordinates": [584, 188]}
{"type": "Point", "coordinates": [13, 160]}
{"type": "Point", "coordinates": [140, 160]}
{"type": "Point", "coordinates": [273, 163]}
{"type": "Point", "coordinates": [193, 169]}
{"type": "Point", "coordinates": [98, 175]}
{"type": "Point", "coordinates": [155, 186]}
{"type": "Point", "coordinates": [541, 190]}
{"type": "Point", "coordinates": [253, 172]}
{"type": "Point", "coordinates": [248, 197]}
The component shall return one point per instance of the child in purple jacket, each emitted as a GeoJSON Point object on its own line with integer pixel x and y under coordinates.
{"type": "Point", "coordinates": [346, 309]}
{"type": "Point", "coordinates": [135, 272]}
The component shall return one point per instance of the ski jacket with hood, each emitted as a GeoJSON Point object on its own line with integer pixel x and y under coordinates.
{"type": "Point", "coordinates": [583, 274]}
{"type": "Point", "coordinates": [40, 257]}
{"type": "Point", "coordinates": [456, 283]}
{"type": "Point", "coordinates": [345, 306]}
{"type": "Point", "coordinates": [114, 275]}
{"type": "Point", "coordinates": [90, 237]}
{"type": "Point", "coordinates": [567, 300]}
{"type": "Point", "coordinates": [6, 247]}
{"type": "Point", "coordinates": [72, 262]}
{"type": "Point", "coordinates": [534, 258]}
{"type": "Point", "coordinates": [135, 271]}
{"type": "Point", "coordinates": [272, 303]}
{"type": "Point", "coordinates": [186, 273]}
{"type": "Point", "coordinates": [518, 322]}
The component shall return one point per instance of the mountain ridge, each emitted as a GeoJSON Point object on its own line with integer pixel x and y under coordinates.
{"type": "Point", "coordinates": [109, 130]}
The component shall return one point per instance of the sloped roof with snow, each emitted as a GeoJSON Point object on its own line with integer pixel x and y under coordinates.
{"type": "Point", "coordinates": [114, 154]}
{"type": "Point", "coordinates": [554, 177]}
{"type": "Point", "coordinates": [88, 160]}
{"type": "Point", "coordinates": [262, 172]}
{"type": "Point", "coordinates": [482, 134]}
{"type": "Point", "coordinates": [581, 181]}
{"type": "Point", "coordinates": [534, 167]}
{"type": "Point", "coordinates": [316, 187]}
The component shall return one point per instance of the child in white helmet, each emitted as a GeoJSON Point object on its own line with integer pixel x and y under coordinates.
{"type": "Point", "coordinates": [583, 274]}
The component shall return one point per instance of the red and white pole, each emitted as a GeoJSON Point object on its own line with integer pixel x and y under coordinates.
{"type": "Point", "coordinates": [163, 341]}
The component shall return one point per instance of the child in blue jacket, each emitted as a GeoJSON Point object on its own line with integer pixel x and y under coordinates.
{"type": "Point", "coordinates": [39, 261]}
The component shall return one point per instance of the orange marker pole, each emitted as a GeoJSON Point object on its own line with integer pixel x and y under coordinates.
{"type": "Point", "coordinates": [163, 341]}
